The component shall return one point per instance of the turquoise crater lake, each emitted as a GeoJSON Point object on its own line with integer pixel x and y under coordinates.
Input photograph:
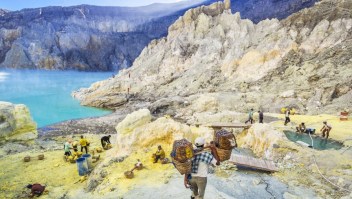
{"type": "Point", "coordinates": [48, 93]}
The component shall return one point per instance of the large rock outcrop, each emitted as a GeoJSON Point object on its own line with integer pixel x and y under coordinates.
{"type": "Point", "coordinates": [260, 138]}
{"type": "Point", "coordinates": [16, 122]}
{"type": "Point", "coordinates": [103, 38]}
{"type": "Point", "coordinates": [210, 50]}
{"type": "Point", "coordinates": [137, 131]}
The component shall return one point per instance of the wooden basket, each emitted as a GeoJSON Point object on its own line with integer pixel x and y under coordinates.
{"type": "Point", "coordinates": [27, 159]}
{"type": "Point", "coordinates": [41, 157]}
{"type": "Point", "coordinates": [140, 167]}
{"type": "Point", "coordinates": [129, 174]}
{"type": "Point", "coordinates": [224, 139]}
{"type": "Point", "coordinates": [165, 161]}
{"type": "Point", "coordinates": [183, 168]}
{"type": "Point", "coordinates": [182, 150]}
{"type": "Point", "coordinates": [223, 154]}
{"type": "Point", "coordinates": [99, 150]}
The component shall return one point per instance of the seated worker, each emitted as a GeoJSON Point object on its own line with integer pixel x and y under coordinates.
{"type": "Point", "coordinates": [326, 129]}
{"type": "Point", "coordinates": [301, 128]}
{"type": "Point", "coordinates": [36, 189]}
{"type": "Point", "coordinates": [75, 146]}
{"type": "Point", "coordinates": [310, 131]}
{"type": "Point", "coordinates": [84, 144]}
{"type": "Point", "coordinates": [105, 140]}
{"type": "Point", "coordinates": [160, 154]}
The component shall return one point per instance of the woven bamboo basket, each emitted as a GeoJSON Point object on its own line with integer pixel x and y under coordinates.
{"type": "Point", "coordinates": [27, 159]}
{"type": "Point", "coordinates": [224, 139]}
{"type": "Point", "coordinates": [223, 154]}
{"type": "Point", "coordinates": [129, 174]}
{"type": "Point", "coordinates": [41, 157]}
{"type": "Point", "coordinates": [165, 161]}
{"type": "Point", "coordinates": [140, 167]}
{"type": "Point", "coordinates": [226, 142]}
{"type": "Point", "coordinates": [183, 168]}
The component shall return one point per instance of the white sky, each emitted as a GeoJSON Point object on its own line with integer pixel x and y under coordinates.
{"type": "Point", "coordinates": [20, 4]}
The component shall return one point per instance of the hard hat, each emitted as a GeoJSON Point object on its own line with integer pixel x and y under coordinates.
{"type": "Point", "coordinates": [199, 141]}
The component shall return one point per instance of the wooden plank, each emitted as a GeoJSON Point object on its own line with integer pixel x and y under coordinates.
{"type": "Point", "coordinates": [229, 125]}
{"type": "Point", "coordinates": [253, 163]}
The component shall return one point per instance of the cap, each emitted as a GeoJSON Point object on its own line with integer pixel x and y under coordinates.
{"type": "Point", "coordinates": [199, 141]}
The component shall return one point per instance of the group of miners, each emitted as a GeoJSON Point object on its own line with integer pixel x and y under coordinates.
{"type": "Point", "coordinates": [84, 143]}
{"type": "Point", "coordinates": [250, 116]}
{"type": "Point", "coordinates": [325, 130]}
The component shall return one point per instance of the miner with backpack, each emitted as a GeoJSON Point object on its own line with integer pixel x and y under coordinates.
{"type": "Point", "coordinates": [201, 161]}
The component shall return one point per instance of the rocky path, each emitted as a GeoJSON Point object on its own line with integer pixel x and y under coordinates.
{"type": "Point", "coordinates": [239, 184]}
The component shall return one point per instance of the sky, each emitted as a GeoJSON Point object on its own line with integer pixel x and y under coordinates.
{"type": "Point", "coordinates": [20, 4]}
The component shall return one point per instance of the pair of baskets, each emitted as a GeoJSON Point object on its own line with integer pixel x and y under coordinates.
{"type": "Point", "coordinates": [28, 158]}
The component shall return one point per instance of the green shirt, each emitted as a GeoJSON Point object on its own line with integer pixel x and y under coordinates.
{"type": "Point", "coordinates": [67, 147]}
{"type": "Point", "coordinates": [250, 114]}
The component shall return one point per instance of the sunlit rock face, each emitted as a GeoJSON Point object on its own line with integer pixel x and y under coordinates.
{"type": "Point", "coordinates": [16, 122]}
{"type": "Point", "coordinates": [261, 139]}
{"type": "Point", "coordinates": [303, 61]}
{"type": "Point", "coordinates": [137, 131]}
{"type": "Point", "coordinates": [104, 38]}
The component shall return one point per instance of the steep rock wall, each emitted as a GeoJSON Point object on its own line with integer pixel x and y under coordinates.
{"type": "Point", "coordinates": [211, 50]}
{"type": "Point", "coordinates": [104, 38]}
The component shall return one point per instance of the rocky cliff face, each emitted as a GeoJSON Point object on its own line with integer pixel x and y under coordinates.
{"type": "Point", "coordinates": [103, 38]}
{"type": "Point", "coordinates": [3, 12]}
{"type": "Point", "coordinates": [82, 37]}
{"type": "Point", "coordinates": [16, 122]}
{"type": "Point", "coordinates": [213, 60]}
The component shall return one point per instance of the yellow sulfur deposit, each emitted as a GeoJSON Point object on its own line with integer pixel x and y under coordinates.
{"type": "Point", "coordinates": [341, 130]}
{"type": "Point", "coordinates": [260, 138]}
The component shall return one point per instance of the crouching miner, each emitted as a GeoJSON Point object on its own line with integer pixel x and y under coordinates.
{"type": "Point", "coordinates": [201, 161]}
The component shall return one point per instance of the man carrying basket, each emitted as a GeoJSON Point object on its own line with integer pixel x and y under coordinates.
{"type": "Point", "coordinates": [201, 161]}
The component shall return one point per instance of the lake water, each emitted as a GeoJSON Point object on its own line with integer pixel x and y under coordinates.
{"type": "Point", "coordinates": [48, 93]}
{"type": "Point", "coordinates": [318, 142]}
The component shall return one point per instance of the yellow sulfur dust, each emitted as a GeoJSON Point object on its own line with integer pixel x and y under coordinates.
{"type": "Point", "coordinates": [53, 171]}
{"type": "Point", "coordinates": [153, 174]}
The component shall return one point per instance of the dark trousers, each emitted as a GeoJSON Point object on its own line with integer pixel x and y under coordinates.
{"type": "Point", "coordinates": [326, 131]}
{"type": "Point", "coordinates": [85, 147]}
{"type": "Point", "coordinates": [261, 120]}
{"type": "Point", "coordinates": [250, 120]}
{"type": "Point", "coordinates": [287, 120]}
{"type": "Point", "coordinates": [157, 157]}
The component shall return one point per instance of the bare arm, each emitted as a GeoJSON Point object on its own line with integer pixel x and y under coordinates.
{"type": "Point", "coordinates": [186, 182]}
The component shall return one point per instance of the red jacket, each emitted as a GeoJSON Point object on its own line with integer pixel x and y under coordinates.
{"type": "Point", "coordinates": [37, 189]}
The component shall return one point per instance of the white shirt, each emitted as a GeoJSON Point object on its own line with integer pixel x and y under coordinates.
{"type": "Point", "coordinates": [287, 113]}
{"type": "Point", "coordinates": [203, 168]}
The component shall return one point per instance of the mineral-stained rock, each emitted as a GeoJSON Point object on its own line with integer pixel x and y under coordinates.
{"type": "Point", "coordinates": [141, 136]}
{"type": "Point", "coordinates": [294, 62]}
{"type": "Point", "coordinates": [87, 37]}
{"type": "Point", "coordinates": [16, 122]}
{"type": "Point", "coordinates": [260, 138]}
{"type": "Point", "coordinates": [133, 120]}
